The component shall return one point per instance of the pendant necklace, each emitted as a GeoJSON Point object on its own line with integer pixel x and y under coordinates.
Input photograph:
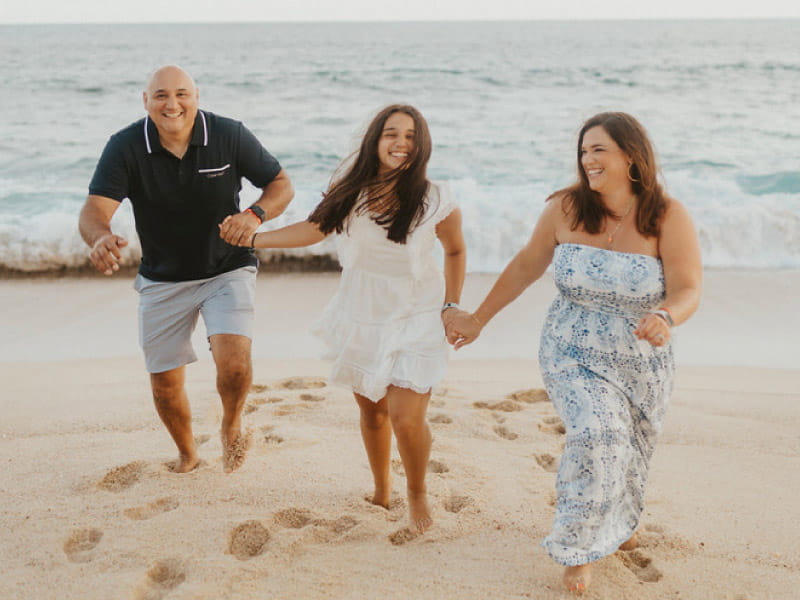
{"type": "Point", "coordinates": [619, 224]}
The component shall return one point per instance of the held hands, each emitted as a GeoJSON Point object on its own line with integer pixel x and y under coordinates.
{"type": "Point", "coordinates": [105, 254]}
{"type": "Point", "coordinates": [238, 229]}
{"type": "Point", "coordinates": [461, 327]}
{"type": "Point", "coordinates": [653, 329]}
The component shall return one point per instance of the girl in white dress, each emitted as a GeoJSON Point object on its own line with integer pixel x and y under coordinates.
{"type": "Point", "coordinates": [384, 327]}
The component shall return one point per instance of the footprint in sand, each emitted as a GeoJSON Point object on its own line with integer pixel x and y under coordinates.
{"type": "Point", "coordinates": [283, 411]}
{"type": "Point", "coordinates": [79, 545]}
{"type": "Point", "coordinates": [552, 425]}
{"type": "Point", "coordinates": [401, 536]}
{"type": "Point", "coordinates": [247, 540]}
{"type": "Point", "coordinates": [437, 466]}
{"type": "Point", "coordinates": [441, 419]}
{"type": "Point", "coordinates": [455, 504]}
{"type": "Point", "coordinates": [152, 509]}
{"type": "Point", "coordinates": [311, 398]}
{"type": "Point", "coordinates": [530, 396]}
{"type": "Point", "coordinates": [547, 461]}
{"type": "Point", "coordinates": [503, 406]}
{"type": "Point", "coordinates": [498, 417]}
{"type": "Point", "coordinates": [337, 526]}
{"type": "Point", "coordinates": [437, 403]}
{"type": "Point", "coordinates": [292, 518]}
{"type": "Point", "coordinates": [505, 433]}
{"type": "Point", "coordinates": [640, 565]}
{"type": "Point", "coordinates": [163, 577]}
{"type": "Point", "coordinates": [272, 439]}
{"type": "Point", "coordinates": [302, 383]}
{"type": "Point", "coordinates": [258, 388]}
{"type": "Point", "coordinates": [397, 467]}
{"type": "Point", "coordinates": [121, 478]}
{"type": "Point", "coordinates": [249, 408]}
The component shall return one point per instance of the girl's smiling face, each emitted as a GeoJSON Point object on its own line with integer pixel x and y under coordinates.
{"type": "Point", "coordinates": [396, 142]}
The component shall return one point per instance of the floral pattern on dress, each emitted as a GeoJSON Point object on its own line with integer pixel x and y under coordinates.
{"type": "Point", "coordinates": [611, 391]}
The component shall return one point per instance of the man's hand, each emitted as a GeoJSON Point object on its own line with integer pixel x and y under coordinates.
{"type": "Point", "coordinates": [105, 254]}
{"type": "Point", "coordinates": [238, 229]}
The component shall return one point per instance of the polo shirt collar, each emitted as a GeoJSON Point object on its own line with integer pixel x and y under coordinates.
{"type": "Point", "coordinates": [199, 133]}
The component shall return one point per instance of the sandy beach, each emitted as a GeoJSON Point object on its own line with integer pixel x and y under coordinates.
{"type": "Point", "coordinates": [90, 509]}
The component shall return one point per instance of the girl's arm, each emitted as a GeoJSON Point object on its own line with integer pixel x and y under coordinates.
{"type": "Point", "coordinates": [526, 267]}
{"type": "Point", "coordinates": [455, 257]}
{"type": "Point", "coordinates": [296, 235]}
{"type": "Point", "coordinates": [679, 249]}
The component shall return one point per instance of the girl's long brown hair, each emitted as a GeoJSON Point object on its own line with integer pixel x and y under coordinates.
{"type": "Point", "coordinates": [396, 198]}
{"type": "Point", "coordinates": [585, 205]}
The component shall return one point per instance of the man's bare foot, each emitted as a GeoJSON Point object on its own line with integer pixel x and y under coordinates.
{"type": "Point", "coordinates": [234, 452]}
{"type": "Point", "coordinates": [419, 514]}
{"type": "Point", "coordinates": [185, 463]}
{"type": "Point", "coordinates": [577, 579]}
{"type": "Point", "coordinates": [631, 544]}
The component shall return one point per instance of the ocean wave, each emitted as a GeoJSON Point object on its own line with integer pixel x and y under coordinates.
{"type": "Point", "coordinates": [736, 230]}
{"type": "Point", "coordinates": [787, 182]}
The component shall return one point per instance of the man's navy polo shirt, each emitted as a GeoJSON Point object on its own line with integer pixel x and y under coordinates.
{"type": "Point", "coordinates": [178, 204]}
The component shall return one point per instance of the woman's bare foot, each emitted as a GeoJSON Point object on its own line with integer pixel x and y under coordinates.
{"type": "Point", "coordinates": [420, 519]}
{"type": "Point", "coordinates": [577, 579]}
{"type": "Point", "coordinates": [235, 451]}
{"type": "Point", "coordinates": [631, 544]}
{"type": "Point", "coordinates": [185, 463]}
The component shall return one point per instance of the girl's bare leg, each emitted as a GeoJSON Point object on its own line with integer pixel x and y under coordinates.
{"type": "Point", "coordinates": [376, 431]}
{"type": "Point", "coordinates": [407, 413]}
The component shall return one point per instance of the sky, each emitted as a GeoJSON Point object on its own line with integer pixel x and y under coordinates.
{"type": "Point", "coordinates": [161, 11]}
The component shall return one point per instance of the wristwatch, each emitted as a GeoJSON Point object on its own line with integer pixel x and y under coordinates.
{"type": "Point", "coordinates": [257, 211]}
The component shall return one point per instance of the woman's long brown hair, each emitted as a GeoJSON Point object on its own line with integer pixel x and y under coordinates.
{"type": "Point", "coordinates": [585, 205]}
{"type": "Point", "coordinates": [395, 198]}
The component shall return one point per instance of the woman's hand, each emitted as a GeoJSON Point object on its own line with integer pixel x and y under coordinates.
{"type": "Point", "coordinates": [653, 329]}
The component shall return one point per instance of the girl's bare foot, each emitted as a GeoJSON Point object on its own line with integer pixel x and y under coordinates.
{"type": "Point", "coordinates": [185, 463]}
{"type": "Point", "coordinates": [419, 513]}
{"type": "Point", "coordinates": [382, 496]}
{"type": "Point", "coordinates": [631, 544]}
{"type": "Point", "coordinates": [577, 579]}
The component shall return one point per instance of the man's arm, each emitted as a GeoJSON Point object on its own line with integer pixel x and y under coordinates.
{"type": "Point", "coordinates": [275, 197]}
{"type": "Point", "coordinates": [95, 228]}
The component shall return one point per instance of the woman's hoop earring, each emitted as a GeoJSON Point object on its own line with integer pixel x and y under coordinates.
{"type": "Point", "coordinates": [629, 172]}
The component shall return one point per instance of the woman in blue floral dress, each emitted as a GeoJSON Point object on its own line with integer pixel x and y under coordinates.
{"type": "Point", "coordinates": [626, 262]}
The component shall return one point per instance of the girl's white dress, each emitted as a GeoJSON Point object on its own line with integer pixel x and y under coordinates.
{"type": "Point", "coordinates": [383, 326]}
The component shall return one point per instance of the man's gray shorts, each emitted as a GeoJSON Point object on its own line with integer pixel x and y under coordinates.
{"type": "Point", "coordinates": [168, 312]}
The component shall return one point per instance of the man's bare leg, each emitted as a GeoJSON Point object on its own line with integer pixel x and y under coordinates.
{"type": "Point", "coordinates": [234, 376]}
{"type": "Point", "coordinates": [407, 413]}
{"type": "Point", "coordinates": [376, 431]}
{"type": "Point", "coordinates": [169, 396]}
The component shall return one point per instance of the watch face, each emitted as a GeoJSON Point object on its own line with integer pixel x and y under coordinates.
{"type": "Point", "coordinates": [259, 212]}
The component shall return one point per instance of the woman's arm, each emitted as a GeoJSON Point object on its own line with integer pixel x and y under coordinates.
{"type": "Point", "coordinates": [451, 237]}
{"type": "Point", "coordinates": [679, 249]}
{"type": "Point", "coordinates": [526, 267]}
{"type": "Point", "coordinates": [296, 235]}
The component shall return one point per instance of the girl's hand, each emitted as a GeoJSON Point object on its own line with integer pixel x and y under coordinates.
{"type": "Point", "coordinates": [238, 229]}
{"type": "Point", "coordinates": [654, 330]}
{"type": "Point", "coordinates": [462, 328]}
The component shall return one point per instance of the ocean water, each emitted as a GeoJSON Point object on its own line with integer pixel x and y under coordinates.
{"type": "Point", "coordinates": [721, 100]}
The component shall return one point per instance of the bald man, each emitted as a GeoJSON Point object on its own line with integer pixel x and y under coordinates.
{"type": "Point", "coordinates": [181, 168]}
